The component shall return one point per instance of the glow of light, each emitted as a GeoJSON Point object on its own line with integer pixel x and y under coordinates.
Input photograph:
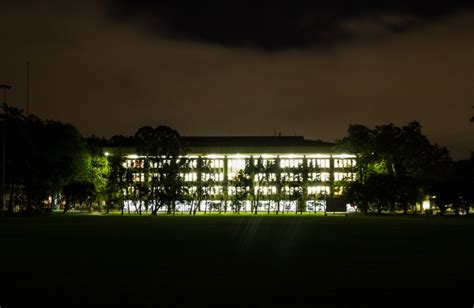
{"type": "Point", "coordinates": [238, 156]}
{"type": "Point", "coordinates": [344, 156]}
{"type": "Point", "coordinates": [291, 156]}
{"type": "Point", "coordinates": [426, 205]}
{"type": "Point", "coordinates": [318, 156]}
{"type": "Point", "coordinates": [106, 154]}
{"type": "Point", "coordinates": [211, 156]}
{"type": "Point", "coordinates": [133, 156]}
{"type": "Point", "coordinates": [267, 156]}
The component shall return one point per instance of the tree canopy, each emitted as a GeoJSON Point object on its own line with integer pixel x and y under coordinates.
{"type": "Point", "coordinates": [396, 166]}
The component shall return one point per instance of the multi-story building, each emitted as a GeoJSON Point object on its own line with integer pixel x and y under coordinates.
{"type": "Point", "coordinates": [317, 165]}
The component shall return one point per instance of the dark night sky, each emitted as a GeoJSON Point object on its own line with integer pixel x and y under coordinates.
{"type": "Point", "coordinates": [109, 67]}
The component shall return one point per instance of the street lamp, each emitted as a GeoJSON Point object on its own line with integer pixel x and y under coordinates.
{"type": "Point", "coordinates": [5, 88]}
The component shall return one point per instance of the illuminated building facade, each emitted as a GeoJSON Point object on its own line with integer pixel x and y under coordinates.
{"type": "Point", "coordinates": [299, 160]}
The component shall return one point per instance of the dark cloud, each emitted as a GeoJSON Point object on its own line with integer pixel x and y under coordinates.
{"type": "Point", "coordinates": [277, 25]}
{"type": "Point", "coordinates": [108, 77]}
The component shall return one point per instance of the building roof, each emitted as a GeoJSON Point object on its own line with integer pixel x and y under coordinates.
{"type": "Point", "coordinates": [255, 145]}
{"type": "Point", "coordinates": [249, 145]}
{"type": "Point", "coordinates": [252, 141]}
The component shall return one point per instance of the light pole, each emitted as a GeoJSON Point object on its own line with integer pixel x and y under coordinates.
{"type": "Point", "coordinates": [4, 87]}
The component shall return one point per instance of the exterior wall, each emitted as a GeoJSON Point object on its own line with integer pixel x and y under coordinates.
{"type": "Point", "coordinates": [324, 171]}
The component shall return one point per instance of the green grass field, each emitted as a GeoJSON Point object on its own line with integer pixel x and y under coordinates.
{"type": "Point", "coordinates": [244, 261]}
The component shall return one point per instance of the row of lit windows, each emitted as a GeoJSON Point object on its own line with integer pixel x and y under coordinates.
{"type": "Point", "coordinates": [192, 177]}
{"type": "Point", "coordinates": [136, 163]}
{"type": "Point", "coordinates": [216, 163]}
{"type": "Point", "coordinates": [290, 176]}
{"type": "Point", "coordinates": [318, 190]}
{"type": "Point", "coordinates": [341, 176]}
{"type": "Point", "coordinates": [285, 176]}
{"type": "Point", "coordinates": [189, 177]}
{"type": "Point", "coordinates": [212, 176]}
{"type": "Point", "coordinates": [323, 176]}
{"type": "Point", "coordinates": [344, 163]}
{"type": "Point", "coordinates": [238, 164]}
{"type": "Point", "coordinates": [291, 163]}
{"type": "Point", "coordinates": [211, 190]}
{"type": "Point", "coordinates": [212, 163]}
{"type": "Point", "coordinates": [263, 190]}
{"type": "Point", "coordinates": [312, 176]}
{"type": "Point", "coordinates": [265, 177]}
{"type": "Point", "coordinates": [288, 190]}
{"type": "Point", "coordinates": [235, 165]}
{"type": "Point", "coordinates": [133, 163]}
{"type": "Point", "coordinates": [320, 163]}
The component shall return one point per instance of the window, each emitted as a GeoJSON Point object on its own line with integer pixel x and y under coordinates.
{"type": "Point", "coordinates": [323, 163]}
{"type": "Point", "coordinates": [212, 176]}
{"type": "Point", "coordinates": [344, 163]}
{"type": "Point", "coordinates": [291, 163]}
{"type": "Point", "coordinates": [265, 190]}
{"type": "Point", "coordinates": [215, 190]}
{"type": "Point", "coordinates": [216, 163]}
{"type": "Point", "coordinates": [190, 177]}
{"type": "Point", "coordinates": [343, 176]}
{"type": "Point", "coordinates": [324, 176]}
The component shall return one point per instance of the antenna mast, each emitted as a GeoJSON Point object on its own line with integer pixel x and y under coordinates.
{"type": "Point", "coordinates": [28, 87]}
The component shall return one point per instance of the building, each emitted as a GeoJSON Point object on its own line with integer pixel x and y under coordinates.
{"type": "Point", "coordinates": [311, 167]}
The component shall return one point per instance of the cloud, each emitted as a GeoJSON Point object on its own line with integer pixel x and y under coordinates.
{"type": "Point", "coordinates": [110, 77]}
{"type": "Point", "coordinates": [274, 25]}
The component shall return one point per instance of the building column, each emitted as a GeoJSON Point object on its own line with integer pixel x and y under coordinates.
{"type": "Point", "coordinates": [225, 184]}
{"type": "Point", "coordinates": [305, 182]}
{"type": "Point", "coordinates": [331, 176]}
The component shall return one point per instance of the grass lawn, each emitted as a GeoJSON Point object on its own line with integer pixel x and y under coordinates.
{"type": "Point", "coordinates": [291, 261]}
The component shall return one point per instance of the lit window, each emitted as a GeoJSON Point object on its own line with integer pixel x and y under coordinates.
{"type": "Point", "coordinates": [322, 163]}
{"type": "Point", "coordinates": [235, 165]}
{"type": "Point", "coordinates": [343, 176]}
{"type": "Point", "coordinates": [324, 176]}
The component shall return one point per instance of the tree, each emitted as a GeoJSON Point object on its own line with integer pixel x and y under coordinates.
{"type": "Point", "coordinates": [43, 157]}
{"type": "Point", "coordinates": [55, 154]}
{"type": "Point", "coordinates": [380, 189]}
{"type": "Point", "coordinates": [15, 123]}
{"type": "Point", "coordinates": [118, 181]}
{"type": "Point", "coordinates": [138, 193]}
{"type": "Point", "coordinates": [299, 187]}
{"type": "Point", "coordinates": [407, 193]}
{"type": "Point", "coordinates": [200, 192]}
{"type": "Point", "coordinates": [97, 174]}
{"type": "Point", "coordinates": [98, 166]}
{"type": "Point", "coordinates": [257, 174]}
{"type": "Point", "coordinates": [360, 142]}
{"type": "Point", "coordinates": [356, 193]}
{"type": "Point", "coordinates": [78, 193]}
{"type": "Point", "coordinates": [280, 182]}
{"type": "Point", "coordinates": [454, 187]}
{"type": "Point", "coordinates": [242, 183]}
{"type": "Point", "coordinates": [464, 172]}
{"type": "Point", "coordinates": [400, 157]}
{"type": "Point", "coordinates": [162, 146]}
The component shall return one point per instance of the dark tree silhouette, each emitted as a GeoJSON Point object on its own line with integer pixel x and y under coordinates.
{"type": "Point", "coordinates": [401, 158]}
{"type": "Point", "coordinates": [163, 148]}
